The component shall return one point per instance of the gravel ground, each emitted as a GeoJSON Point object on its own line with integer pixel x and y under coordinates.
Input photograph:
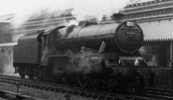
{"type": "Point", "coordinates": [40, 94]}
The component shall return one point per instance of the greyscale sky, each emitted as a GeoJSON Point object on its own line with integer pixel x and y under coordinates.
{"type": "Point", "coordinates": [22, 6]}
{"type": "Point", "coordinates": [25, 8]}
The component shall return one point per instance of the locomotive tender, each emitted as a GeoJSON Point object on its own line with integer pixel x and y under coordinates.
{"type": "Point", "coordinates": [87, 56]}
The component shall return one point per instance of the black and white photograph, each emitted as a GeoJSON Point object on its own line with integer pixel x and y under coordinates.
{"type": "Point", "coordinates": [86, 49]}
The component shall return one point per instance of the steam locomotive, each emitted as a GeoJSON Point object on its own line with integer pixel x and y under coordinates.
{"type": "Point", "coordinates": [88, 56]}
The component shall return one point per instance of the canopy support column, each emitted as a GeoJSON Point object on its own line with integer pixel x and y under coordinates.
{"type": "Point", "coordinates": [171, 54]}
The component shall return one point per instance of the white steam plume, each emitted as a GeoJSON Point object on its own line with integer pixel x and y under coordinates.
{"type": "Point", "coordinates": [23, 9]}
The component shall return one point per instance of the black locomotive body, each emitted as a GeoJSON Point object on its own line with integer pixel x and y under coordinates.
{"type": "Point", "coordinates": [87, 56]}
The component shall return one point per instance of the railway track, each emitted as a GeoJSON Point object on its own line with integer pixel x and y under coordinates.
{"type": "Point", "coordinates": [160, 93]}
{"type": "Point", "coordinates": [150, 94]}
{"type": "Point", "coordinates": [9, 95]}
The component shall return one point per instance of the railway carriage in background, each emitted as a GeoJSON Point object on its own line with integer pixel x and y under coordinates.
{"type": "Point", "coordinates": [88, 56]}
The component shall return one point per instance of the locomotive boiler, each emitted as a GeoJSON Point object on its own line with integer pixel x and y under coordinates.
{"type": "Point", "coordinates": [87, 56]}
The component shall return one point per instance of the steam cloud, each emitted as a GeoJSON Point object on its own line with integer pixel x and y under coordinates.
{"type": "Point", "coordinates": [6, 61]}
{"type": "Point", "coordinates": [23, 9]}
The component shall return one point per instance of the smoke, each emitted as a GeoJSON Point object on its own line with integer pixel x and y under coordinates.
{"type": "Point", "coordinates": [97, 8]}
{"type": "Point", "coordinates": [23, 9]}
{"type": "Point", "coordinates": [6, 51]}
{"type": "Point", "coordinates": [6, 62]}
{"type": "Point", "coordinates": [84, 62]}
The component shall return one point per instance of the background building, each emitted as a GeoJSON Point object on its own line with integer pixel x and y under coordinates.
{"type": "Point", "coordinates": [6, 48]}
{"type": "Point", "coordinates": [156, 19]}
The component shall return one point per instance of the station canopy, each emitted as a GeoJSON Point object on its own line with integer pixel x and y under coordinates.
{"type": "Point", "coordinates": [158, 31]}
